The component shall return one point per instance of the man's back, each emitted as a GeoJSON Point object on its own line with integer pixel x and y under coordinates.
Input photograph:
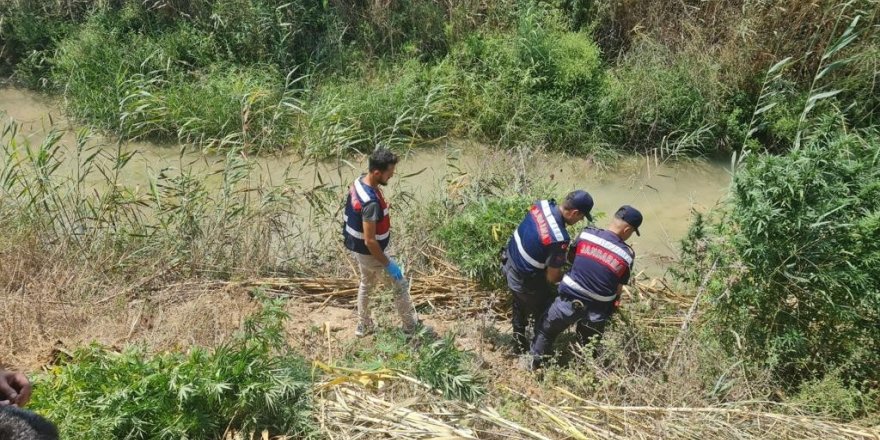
{"type": "Point", "coordinates": [602, 262]}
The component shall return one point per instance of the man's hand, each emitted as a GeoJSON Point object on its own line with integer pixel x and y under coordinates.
{"type": "Point", "coordinates": [394, 270]}
{"type": "Point", "coordinates": [554, 275]}
{"type": "Point", "coordinates": [15, 389]}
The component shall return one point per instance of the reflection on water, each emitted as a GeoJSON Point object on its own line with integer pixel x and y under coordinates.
{"type": "Point", "coordinates": [664, 193]}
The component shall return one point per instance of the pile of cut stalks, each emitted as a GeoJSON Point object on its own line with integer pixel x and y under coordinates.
{"type": "Point", "coordinates": [459, 295]}
{"type": "Point", "coordinates": [385, 403]}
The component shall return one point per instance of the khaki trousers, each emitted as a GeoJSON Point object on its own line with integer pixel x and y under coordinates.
{"type": "Point", "coordinates": [372, 275]}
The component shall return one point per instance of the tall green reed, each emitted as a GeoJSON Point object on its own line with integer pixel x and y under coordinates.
{"type": "Point", "coordinates": [215, 220]}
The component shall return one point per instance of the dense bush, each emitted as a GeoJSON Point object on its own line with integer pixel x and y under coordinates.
{"type": "Point", "coordinates": [798, 288]}
{"type": "Point", "coordinates": [830, 397]}
{"type": "Point", "coordinates": [656, 97]}
{"type": "Point", "coordinates": [473, 239]}
{"type": "Point", "coordinates": [29, 31]}
{"type": "Point", "coordinates": [581, 77]}
{"type": "Point", "coordinates": [538, 86]}
{"type": "Point", "coordinates": [250, 384]}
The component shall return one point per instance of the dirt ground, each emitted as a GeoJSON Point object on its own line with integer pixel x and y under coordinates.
{"type": "Point", "coordinates": [184, 315]}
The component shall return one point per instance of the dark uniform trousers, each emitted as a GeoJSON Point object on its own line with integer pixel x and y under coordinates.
{"type": "Point", "coordinates": [590, 317]}
{"type": "Point", "coordinates": [531, 297]}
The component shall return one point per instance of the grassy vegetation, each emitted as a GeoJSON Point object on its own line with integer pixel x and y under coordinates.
{"type": "Point", "coordinates": [787, 268]}
{"type": "Point", "coordinates": [87, 234]}
{"type": "Point", "coordinates": [796, 290]}
{"type": "Point", "coordinates": [185, 222]}
{"type": "Point", "coordinates": [328, 78]}
{"type": "Point", "coordinates": [436, 362]}
{"type": "Point", "coordinates": [251, 384]}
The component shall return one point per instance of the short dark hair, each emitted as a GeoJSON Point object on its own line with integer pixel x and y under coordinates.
{"type": "Point", "coordinates": [381, 159]}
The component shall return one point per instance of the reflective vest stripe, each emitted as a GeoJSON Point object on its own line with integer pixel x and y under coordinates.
{"type": "Point", "coordinates": [359, 195]}
{"type": "Point", "coordinates": [355, 199]}
{"type": "Point", "coordinates": [360, 236]}
{"type": "Point", "coordinates": [361, 191]}
{"type": "Point", "coordinates": [551, 220]}
{"type": "Point", "coordinates": [524, 254]}
{"type": "Point", "coordinates": [617, 250]}
{"type": "Point", "coordinates": [571, 283]}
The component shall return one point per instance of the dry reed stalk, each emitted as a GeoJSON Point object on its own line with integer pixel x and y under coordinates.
{"type": "Point", "coordinates": [350, 403]}
{"type": "Point", "coordinates": [435, 290]}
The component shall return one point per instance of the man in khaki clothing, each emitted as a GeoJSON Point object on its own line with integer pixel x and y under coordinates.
{"type": "Point", "coordinates": [367, 232]}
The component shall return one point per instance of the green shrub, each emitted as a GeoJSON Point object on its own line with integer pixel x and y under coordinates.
{"type": "Point", "coordinates": [251, 383]}
{"type": "Point", "coordinates": [656, 96]}
{"type": "Point", "coordinates": [393, 28]}
{"type": "Point", "coordinates": [446, 368]}
{"type": "Point", "coordinates": [438, 363]}
{"type": "Point", "coordinates": [29, 31]}
{"type": "Point", "coordinates": [229, 106]}
{"type": "Point", "coordinates": [168, 87]}
{"type": "Point", "coordinates": [797, 288]}
{"type": "Point", "coordinates": [400, 105]}
{"type": "Point", "coordinates": [474, 238]}
{"type": "Point", "coordinates": [282, 33]}
{"type": "Point", "coordinates": [92, 67]}
{"type": "Point", "coordinates": [830, 397]}
{"type": "Point", "coordinates": [576, 64]}
{"type": "Point", "coordinates": [540, 85]}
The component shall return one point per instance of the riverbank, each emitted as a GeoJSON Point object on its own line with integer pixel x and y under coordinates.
{"type": "Point", "coordinates": [666, 192]}
{"type": "Point", "coordinates": [331, 80]}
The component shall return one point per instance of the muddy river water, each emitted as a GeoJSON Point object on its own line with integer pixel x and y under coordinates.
{"type": "Point", "coordinates": [665, 193]}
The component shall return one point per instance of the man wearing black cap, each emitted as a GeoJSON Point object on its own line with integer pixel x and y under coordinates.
{"type": "Point", "coordinates": [589, 291]}
{"type": "Point", "coordinates": [534, 256]}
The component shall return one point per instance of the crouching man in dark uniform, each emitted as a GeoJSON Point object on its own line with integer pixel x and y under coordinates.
{"type": "Point", "coordinates": [587, 293]}
{"type": "Point", "coordinates": [533, 260]}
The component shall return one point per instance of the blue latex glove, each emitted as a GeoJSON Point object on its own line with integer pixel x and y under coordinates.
{"type": "Point", "coordinates": [394, 270]}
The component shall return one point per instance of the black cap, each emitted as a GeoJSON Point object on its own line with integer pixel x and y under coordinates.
{"type": "Point", "coordinates": [630, 215]}
{"type": "Point", "coordinates": [582, 201]}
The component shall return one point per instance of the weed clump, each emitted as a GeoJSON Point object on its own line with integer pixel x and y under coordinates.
{"type": "Point", "coordinates": [252, 383]}
{"type": "Point", "coordinates": [474, 238]}
{"type": "Point", "coordinates": [797, 289]}
{"type": "Point", "coordinates": [436, 362]}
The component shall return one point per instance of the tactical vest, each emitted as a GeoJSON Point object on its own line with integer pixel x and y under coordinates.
{"type": "Point", "coordinates": [602, 262]}
{"type": "Point", "coordinates": [359, 194]}
{"type": "Point", "coordinates": [542, 227]}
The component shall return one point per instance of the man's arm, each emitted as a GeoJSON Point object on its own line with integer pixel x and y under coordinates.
{"type": "Point", "coordinates": [373, 244]}
{"type": "Point", "coordinates": [572, 250]}
{"type": "Point", "coordinates": [555, 262]}
{"type": "Point", "coordinates": [617, 296]}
